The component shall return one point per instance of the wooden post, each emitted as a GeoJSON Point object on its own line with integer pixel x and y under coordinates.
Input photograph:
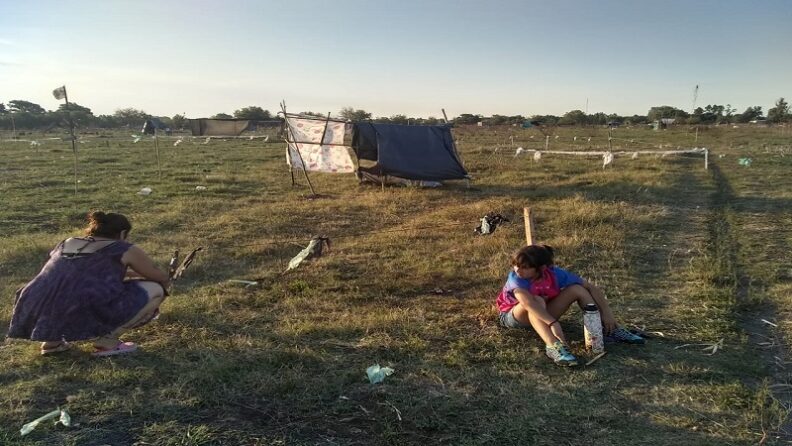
{"type": "Point", "coordinates": [296, 147]}
{"type": "Point", "coordinates": [610, 144]}
{"type": "Point", "coordinates": [71, 133]}
{"type": "Point", "coordinates": [156, 148]}
{"type": "Point", "coordinates": [444, 115]}
{"type": "Point", "coordinates": [706, 159]}
{"type": "Point", "coordinates": [529, 226]}
{"type": "Point", "coordinates": [547, 142]}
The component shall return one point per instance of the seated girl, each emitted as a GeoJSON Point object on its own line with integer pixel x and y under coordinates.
{"type": "Point", "coordinates": [537, 293]}
{"type": "Point", "coordinates": [81, 292]}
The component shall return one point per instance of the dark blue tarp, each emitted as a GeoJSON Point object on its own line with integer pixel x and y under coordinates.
{"type": "Point", "coordinates": [414, 152]}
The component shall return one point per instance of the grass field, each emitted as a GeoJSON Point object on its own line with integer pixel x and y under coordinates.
{"type": "Point", "coordinates": [699, 256]}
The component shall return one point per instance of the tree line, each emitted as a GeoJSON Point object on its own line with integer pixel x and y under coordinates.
{"type": "Point", "coordinates": [21, 114]}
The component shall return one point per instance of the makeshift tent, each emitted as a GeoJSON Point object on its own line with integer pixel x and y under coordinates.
{"type": "Point", "coordinates": [153, 124]}
{"type": "Point", "coordinates": [317, 145]}
{"type": "Point", "coordinates": [413, 152]}
{"type": "Point", "coordinates": [218, 127]}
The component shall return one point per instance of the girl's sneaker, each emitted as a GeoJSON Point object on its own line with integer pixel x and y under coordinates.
{"type": "Point", "coordinates": [623, 335]}
{"type": "Point", "coordinates": [560, 355]}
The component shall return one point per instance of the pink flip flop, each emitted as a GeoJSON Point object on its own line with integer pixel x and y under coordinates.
{"type": "Point", "coordinates": [121, 348]}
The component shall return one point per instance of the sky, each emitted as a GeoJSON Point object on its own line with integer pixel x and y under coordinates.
{"type": "Point", "coordinates": [505, 57]}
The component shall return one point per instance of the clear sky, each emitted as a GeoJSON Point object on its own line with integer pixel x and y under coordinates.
{"type": "Point", "coordinates": [387, 57]}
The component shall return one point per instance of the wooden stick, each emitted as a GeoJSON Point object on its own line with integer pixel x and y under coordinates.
{"type": "Point", "coordinates": [296, 148]}
{"type": "Point", "coordinates": [547, 142]}
{"type": "Point", "coordinates": [706, 159]}
{"type": "Point", "coordinates": [444, 115]}
{"type": "Point", "coordinates": [156, 148]}
{"type": "Point", "coordinates": [592, 360]}
{"type": "Point", "coordinates": [529, 226]}
{"type": "Point", "coordinates": [71, 132]}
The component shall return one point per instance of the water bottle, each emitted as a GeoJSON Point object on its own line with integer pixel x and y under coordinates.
{"type": "Point", "coordinates": [592, 329]}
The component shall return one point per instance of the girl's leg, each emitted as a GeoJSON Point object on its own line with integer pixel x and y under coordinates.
{"type": "Point", "coordinates": [526, 316]}
{"type": "Point", "coordinates": [155, 294]}
{"type": "Point", "coordinates": [575, 293]}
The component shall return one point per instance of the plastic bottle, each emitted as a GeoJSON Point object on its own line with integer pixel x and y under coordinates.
{"type": "Point", "coordinates": [592, 329]}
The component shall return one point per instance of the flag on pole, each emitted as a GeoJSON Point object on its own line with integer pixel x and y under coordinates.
{"type": "Point", "coordinates": [59, 92]}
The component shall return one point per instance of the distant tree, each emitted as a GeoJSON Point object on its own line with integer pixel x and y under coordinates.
{"type": "Point", "coordinates": [636, 119]}
{"type": "Point", "coordinates": [545, 120]}
{"type": "Point", "coordinates": [106, 121]}
{"type": "Point", "coordinates": [222, 116]}
{"type": "Point", "coordinates": [750, 114]}
{"type": "Point", "coordinates": [351, 114]}
{"type": "Point", "coordinates": [779, 113]}
{"type": "Point", "coordinates": [400, 119]}
{"type": "Point", "coordinates": [130, 117]}
{"type": "Point", "coordinates": [3, 109]}
{"type": "Point", "coordinates": [574, 117]}
{"type": "Point", "coordinates": [728, 113]}
{"type": "Point", "coordinates": [178, 121]}
{"type": "Point", "coordinates": [20, 106]}
{"type": "Point", "coordinates": [467, 118]}
{"type": "Point", "coordinates": [81, 116]}
{"type": "Point", "coordinates": [254, 113]}
{"type": "Point", "coordinates": [430, 121]}
{"type": "Point", "coordinates": [598, 118]}
{"type": "Point", "coordinates": [665, 112]}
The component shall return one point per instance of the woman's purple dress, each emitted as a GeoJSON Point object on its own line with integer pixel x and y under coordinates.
{"type": "Point", "coordinates": [77, 297]}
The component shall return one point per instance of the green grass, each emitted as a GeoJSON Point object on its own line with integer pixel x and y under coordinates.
{"type": "Point", "coordinates": [699, 255]}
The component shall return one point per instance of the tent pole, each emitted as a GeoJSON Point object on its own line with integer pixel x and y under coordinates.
{"type": "Point", "coordinates": [296, 149]}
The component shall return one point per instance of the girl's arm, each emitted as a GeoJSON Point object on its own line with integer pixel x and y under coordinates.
{"type": "Point", "coordinates": [606, 314]}
{"type": "Point", "coordinates": [140, 263]}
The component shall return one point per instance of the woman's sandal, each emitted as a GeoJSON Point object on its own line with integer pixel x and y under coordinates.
{"type": "Point", "coordinates": [61, 347]}
{"type": "Point", "coordinates": [121, 348]}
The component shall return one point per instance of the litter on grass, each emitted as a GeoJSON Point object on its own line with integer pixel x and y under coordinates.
{"type": "Point", "coordinates": [63, 418]}
{"type": "Point", "coordinates": [745, 162]}
{"type": "Point", "coordinates": [489, 223]}
{"type": "Point", "coordinates": [200, 187]}
{"type": "Point", "coordinates": [247, 283]}
{"type": "Point", "coordinates": [314, 249]}
{"type": "Point", "coordinates": [144, 191]}
{"type": "Point", "coordinates": [711, 348]}
{"type": "Point", "coordinates": [377, 374]}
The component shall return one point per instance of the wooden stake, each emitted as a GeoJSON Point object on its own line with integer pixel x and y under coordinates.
{"type": "Point", "coordinates": [156, 148]}
{"type": "Point", "coordinates": [296, 147]}
{"type": "Point", "coordinates": [71, 133]}
{"type": "Point", "coordinates": [706, 159]}
{"type": "Point", "coordinates": [610, 144]}
{"type": "Point", "coordinates": [444, 115]}
{"type": "Point", "coordinates": [547, 142]}
{"type": "Point", "coordinates": [529, 226]}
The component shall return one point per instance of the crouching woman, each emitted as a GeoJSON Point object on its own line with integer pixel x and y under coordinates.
{"type": "Point", "coordinates": [82, 292]}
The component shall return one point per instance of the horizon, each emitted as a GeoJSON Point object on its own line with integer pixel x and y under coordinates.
{"type": "Point", "coordinates": [414, 58]}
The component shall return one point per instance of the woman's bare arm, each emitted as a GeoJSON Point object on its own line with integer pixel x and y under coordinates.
{"type": "Point", "coordinates": [142, 264]}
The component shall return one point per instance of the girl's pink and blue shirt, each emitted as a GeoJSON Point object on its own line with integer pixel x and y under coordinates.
{"type": "Point", "coordinates": [563, 278]}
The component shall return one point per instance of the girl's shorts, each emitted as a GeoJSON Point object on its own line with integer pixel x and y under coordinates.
{"type": "Point", "coordinates": [508, 320]}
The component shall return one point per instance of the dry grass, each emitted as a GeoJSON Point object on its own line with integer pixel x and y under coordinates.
{"type": "Point", "coordinates": [697, 255]}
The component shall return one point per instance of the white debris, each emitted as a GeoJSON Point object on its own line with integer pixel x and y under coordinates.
{"type": "Point", "coordinates": [537, 156]}
{"type": "Point", "coordinates": [635, 155]}
{"type": "Point", "coordinates": [518, 151]}
{"type": "Point", "coordinates": [144, 191]}
{"type": "Point", "coordinates": [200, 187]}
{"type": "Point", "coordinates": [178, 141]}
{"type": "Point", "coordinates": [607, 158]}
